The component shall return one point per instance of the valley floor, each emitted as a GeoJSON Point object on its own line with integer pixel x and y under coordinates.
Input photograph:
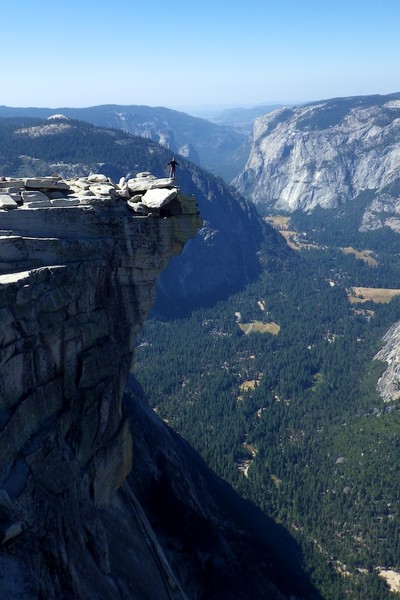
{"type": "Point", "coordinates": [276, 387]}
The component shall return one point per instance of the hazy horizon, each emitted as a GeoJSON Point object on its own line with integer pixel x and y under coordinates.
{"type": "Point", "coordinates": [204, 111]}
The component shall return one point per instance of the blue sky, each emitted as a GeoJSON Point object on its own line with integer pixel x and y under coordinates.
{"type": "Point", "coordinates": [191, 53]}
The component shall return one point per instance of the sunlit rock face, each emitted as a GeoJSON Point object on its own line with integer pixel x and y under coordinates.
{"type": "Point", "coordinates": [77, 279]}
{"type": "Point", "coordinates": [389, 383]}
{"type": "Point", "coordinates": [324, 154]}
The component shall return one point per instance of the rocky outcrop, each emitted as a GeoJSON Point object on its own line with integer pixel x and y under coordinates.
{"type": "Point", "coordinates": [77, 277]}
{"type": "Point", "coordinates": [324, 154]}
{"type": "Point", "coordinates": [144, 194]}
{"type": "Point", "coordinates": [389, 383]}
{"type": "Point", "coordinates": [383, 210]}
{"type": "Point", "coordinates": [98, 498]}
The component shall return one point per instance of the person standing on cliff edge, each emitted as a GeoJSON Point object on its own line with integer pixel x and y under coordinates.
{"type": "Point", "coordinates": [172, 166]}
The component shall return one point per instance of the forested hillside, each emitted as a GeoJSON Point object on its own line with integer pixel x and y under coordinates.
{"type": "Point", "coordinates": [276, 387]}
{"type": "Point", "coordinates": [30, 147]}
{"type": "Point", "coordinates": [220, 148]}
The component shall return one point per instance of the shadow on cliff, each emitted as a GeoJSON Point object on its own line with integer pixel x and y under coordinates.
{"type": "Point", "coordinates": [232, 248]}
{"type": "Point", "coordinates": [219, 545]}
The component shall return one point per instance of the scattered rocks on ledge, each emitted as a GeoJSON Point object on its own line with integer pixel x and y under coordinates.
{"type": "Point", "coordinates": [144, 194]}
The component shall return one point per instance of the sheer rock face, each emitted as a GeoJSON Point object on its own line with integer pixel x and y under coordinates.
{"type": "Point", "coordinates": [324, 154]}
{"type": "Point", "coordinates": [75, 287]}
{"type": "Point", "coordinates": [389, 383]}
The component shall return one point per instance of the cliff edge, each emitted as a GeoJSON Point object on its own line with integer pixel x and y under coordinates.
{"type": "Point", "coordinates": [79, 262]}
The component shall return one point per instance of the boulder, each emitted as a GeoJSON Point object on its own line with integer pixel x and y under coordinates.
{"type": "Point", "coordinates": [47, 183]}
{"type": "Point", "coordinates": [7, 201]}
{"type": "Point", "coordinates": [79, 184]}
{"type": "Point", "coordinates": [33, 196]}
{"type": "Point", "coordinates": [149, 183]}
{"type": "Point", "coordinates": [136, 198]}
{"type": "Point", "coordinates": [65, 202]}
{"type": "Point", "coordinates": [12, 189]}
{"type": "Point", "coordinates": [157, 198]}
{"type": "Point", "coordinates": [124, 192]}
{"type": "Point", "coordinates": [83, 194]}
{"type": "Point", "coordinates": [103, 190]}
{"type": "Point", "coordinates": [97, 178]}
{"type": "Point", "coordinates": [55, 195]}
{"type": "Point", "coordinates": [6, 183]}
{"type": "Point", "coordinates": [145, 174]}
{"type": "Point", "coordinates": [38, 203]}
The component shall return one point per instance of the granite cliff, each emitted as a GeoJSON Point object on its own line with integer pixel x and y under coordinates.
{"type": "Point", "coordinates": [324, 154]}
{"type": "Point", "coordinates": [79, 271]}
{"type": "Point", "coordinates": [98, 499]}
{"type": "Point", "coordinates": [389, 383]}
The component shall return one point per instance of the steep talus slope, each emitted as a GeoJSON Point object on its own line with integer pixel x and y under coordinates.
{"type": "Point", "coordinates": [324, 154]}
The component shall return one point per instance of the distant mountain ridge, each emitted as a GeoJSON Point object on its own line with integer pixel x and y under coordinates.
{"type": "Point", "coordinates": [243, 118]}
{"type": "Point", "coordinates": [218, 148]}
{"type": "Point", "coordinates": [324, 154]}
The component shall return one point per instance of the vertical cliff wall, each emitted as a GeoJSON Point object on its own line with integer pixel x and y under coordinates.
{"type": "Point", "coordinates": [98, 498]}
{"type": "Point", "coordinates": [76, 283]}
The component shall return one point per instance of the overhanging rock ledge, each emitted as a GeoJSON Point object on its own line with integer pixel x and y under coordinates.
{"type": "Point", "coordinates": [79, 262]}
